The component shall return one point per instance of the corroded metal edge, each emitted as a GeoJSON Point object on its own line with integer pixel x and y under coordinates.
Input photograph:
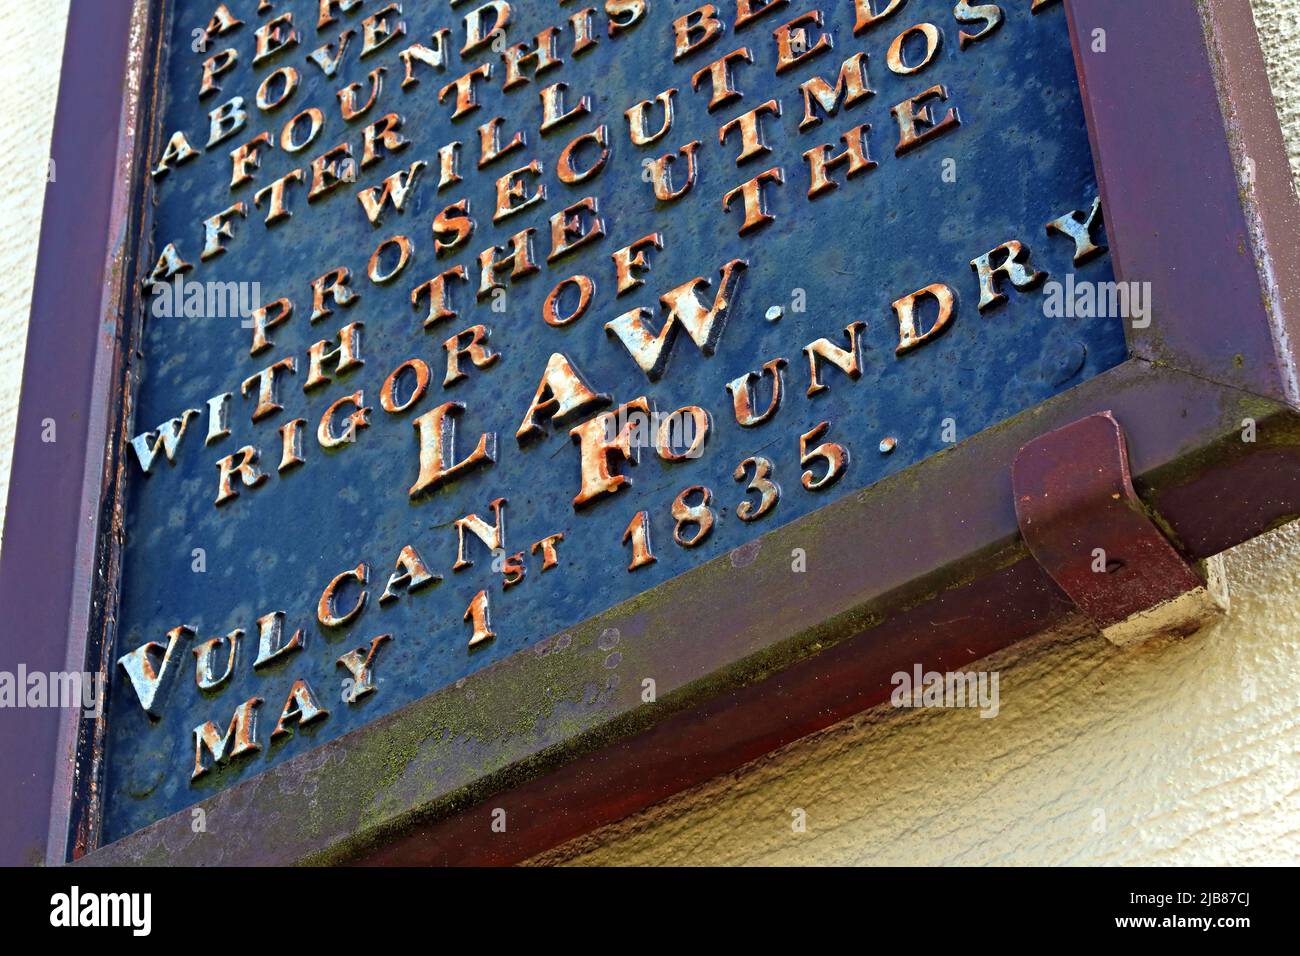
{"type": "Point", "coordinates": [52, 586]}
{"type": "Point", "coordinates": [75, 816]}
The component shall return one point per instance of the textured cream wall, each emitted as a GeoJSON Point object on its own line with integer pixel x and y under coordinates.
{"type": "Point", "coordinates": [1175, 752]}
{"type": "Point", "coordinates": [29, 76]}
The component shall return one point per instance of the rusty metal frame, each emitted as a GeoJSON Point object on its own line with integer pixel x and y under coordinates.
{"type": "Point", "coordinates": [1199, 202]}
{"type": "Point", "coordinates": [58, 566]}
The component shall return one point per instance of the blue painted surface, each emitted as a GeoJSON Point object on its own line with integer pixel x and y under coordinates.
{"type": "Point", "coordinates": [1022, 158]}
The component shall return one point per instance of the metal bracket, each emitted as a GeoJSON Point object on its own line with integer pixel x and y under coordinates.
{"type": "Point", "coordinates": [1083, 522]}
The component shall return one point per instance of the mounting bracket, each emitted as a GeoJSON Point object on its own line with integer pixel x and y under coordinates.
{"type": "Point", "coordinates": [1085, 525]}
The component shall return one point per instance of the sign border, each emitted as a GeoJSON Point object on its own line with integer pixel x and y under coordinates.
{"type": "Point", "coordinates": [747, 657]}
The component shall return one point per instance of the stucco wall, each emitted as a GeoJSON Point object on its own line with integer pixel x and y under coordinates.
{"type": "Point", "coordinates": [1177, 752]}
{"type": "Point", "coordinates": [29, 76]}
{"type": "Point", "coordinates": [1174, 752]}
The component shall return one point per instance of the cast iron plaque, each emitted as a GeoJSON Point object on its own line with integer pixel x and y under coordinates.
{"type": "Point", "coordinates": [518, 412]}
{"type": "Point", "coordinates": [1003, 150]}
